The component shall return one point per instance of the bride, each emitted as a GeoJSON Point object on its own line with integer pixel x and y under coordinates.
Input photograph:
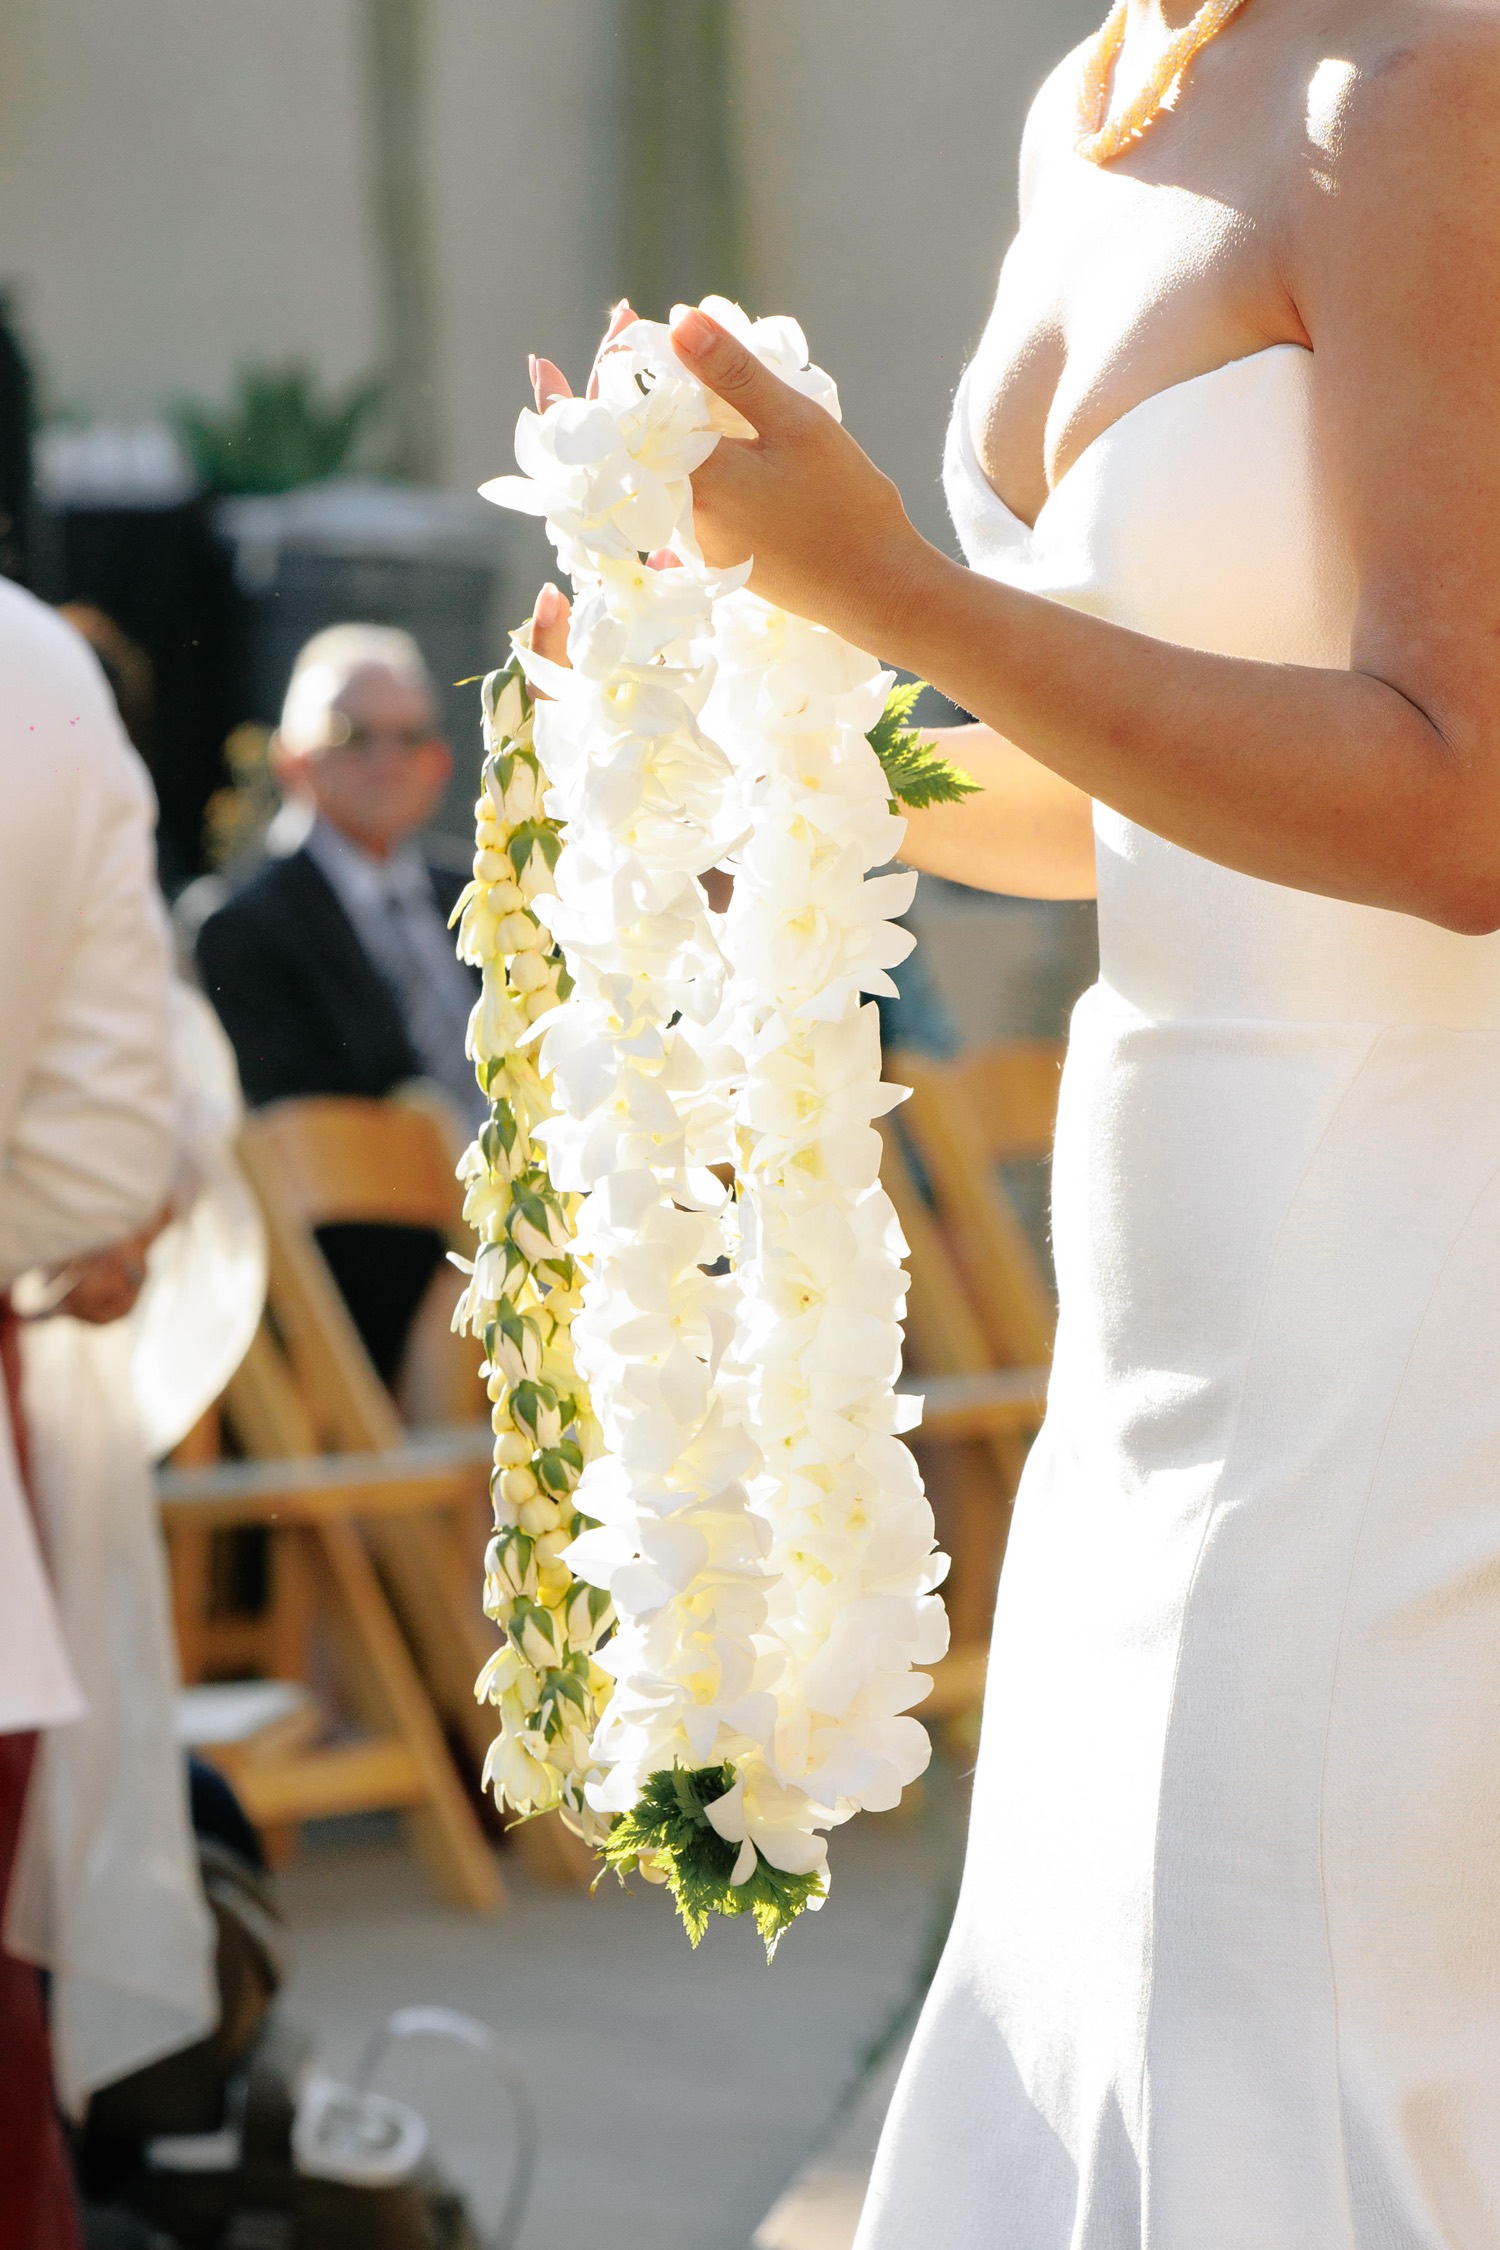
{"type": "Point", "coordinates": [1225, 1972]}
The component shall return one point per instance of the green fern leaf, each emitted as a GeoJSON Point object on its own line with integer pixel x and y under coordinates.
{"type": "Point", "coordinates": [915, 771]}
{"type": "Point", "coordinates": [670, 1827]}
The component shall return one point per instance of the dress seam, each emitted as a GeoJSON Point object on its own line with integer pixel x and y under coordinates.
{"type": "Point", "coordinates": [1378, 1034]}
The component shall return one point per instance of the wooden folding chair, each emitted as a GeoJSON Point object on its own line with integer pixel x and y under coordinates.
{"type": "Point", "coordinates": [379, 1527]}
{"type": "Point", "coordinates": [980, 1313]}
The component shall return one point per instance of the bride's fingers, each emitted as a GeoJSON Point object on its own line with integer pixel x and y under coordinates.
{"type": "Point", "coordinates": [549, 382]}
{"type": "Point", "coordinates": [549, 625]}
{"type": "Point", "coordinates": [619, 320]}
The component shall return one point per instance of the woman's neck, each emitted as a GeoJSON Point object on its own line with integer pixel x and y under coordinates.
{"type": "Point", "coordinates": [1162, 17]}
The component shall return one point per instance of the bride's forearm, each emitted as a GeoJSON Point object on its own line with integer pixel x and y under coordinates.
{"type": "Point", "coordinates": [1327, 781]}
{"type": "Point", "coordinates": [1028, 832]}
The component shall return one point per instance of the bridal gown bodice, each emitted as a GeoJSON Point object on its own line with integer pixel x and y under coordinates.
{"type": "Point", "coordinates": [1225, 1971]}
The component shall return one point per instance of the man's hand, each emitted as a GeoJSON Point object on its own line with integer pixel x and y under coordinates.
{"type": "Point", "coordinates": [104, 1286]}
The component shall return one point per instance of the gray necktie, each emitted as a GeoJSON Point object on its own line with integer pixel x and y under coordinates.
{"type": "Point", "coordinates": [433, 993]}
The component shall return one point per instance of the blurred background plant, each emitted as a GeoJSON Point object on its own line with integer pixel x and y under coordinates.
{"type": "Point", "coordinates": [237, 816]}
{"type": "Point", "coordinates": [281, 428]}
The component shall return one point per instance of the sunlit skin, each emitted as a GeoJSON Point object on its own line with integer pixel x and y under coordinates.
{"type": "Point", "coordinates": [376, 767]}
{"type": "Point", "coordinates": [1330, 177]}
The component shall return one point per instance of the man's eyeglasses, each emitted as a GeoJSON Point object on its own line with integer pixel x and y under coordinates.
{"type": "Point", "coordinates": [343, 734]}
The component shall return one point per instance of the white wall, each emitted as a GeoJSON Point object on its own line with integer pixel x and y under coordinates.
{"type": "Point", "coordinates": [182, 189]}
{"type": "Point", "coordinates": [524, 157]}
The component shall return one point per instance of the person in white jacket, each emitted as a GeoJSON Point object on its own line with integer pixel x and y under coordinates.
{"type": "Point", "coordinates": [86, 1152]}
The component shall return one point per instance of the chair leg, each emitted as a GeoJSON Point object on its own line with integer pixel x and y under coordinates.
{"type": "Point", "coordinates": [437, 1591]}
{"type": "Point", "coordinates": [436, 1583]}
{"type": "Point", "coordinates": [447, 1830]}
{"type": "Point", "coordinates": [189, 1561]}
{"type": "Point", "coordinates": [292, 1605]}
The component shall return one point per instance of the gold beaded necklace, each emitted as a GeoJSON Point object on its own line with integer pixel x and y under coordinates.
{"type": "Point", "coordinates": [1100, 140]}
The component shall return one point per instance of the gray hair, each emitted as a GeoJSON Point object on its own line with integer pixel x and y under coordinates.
{"type": "Point", "coordinates": [329, 662]}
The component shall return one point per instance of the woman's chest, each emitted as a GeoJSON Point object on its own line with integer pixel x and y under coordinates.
{"type": "Point", "coordinates": [1114, 289]}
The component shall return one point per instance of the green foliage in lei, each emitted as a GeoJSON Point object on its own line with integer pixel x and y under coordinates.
{"type": "Point", "coordinates": [914, 769]}
{"type": "Point", "coordinates": [670, 1826]}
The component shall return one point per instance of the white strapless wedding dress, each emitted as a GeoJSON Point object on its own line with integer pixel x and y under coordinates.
{"type": "Point", "coordinates": [1225, 1973]}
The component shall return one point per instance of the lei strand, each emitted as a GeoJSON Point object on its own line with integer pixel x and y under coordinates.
{"type": "Point", "coordinates": [722, 1364]}
{"type": "Point", "coordinates": [522, 1298]}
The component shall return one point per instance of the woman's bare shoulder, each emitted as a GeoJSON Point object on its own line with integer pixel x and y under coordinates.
{"type": "Point", "coordinates": [1406, 75]}
{"type": "Point", "coordinates": [1402, 132]}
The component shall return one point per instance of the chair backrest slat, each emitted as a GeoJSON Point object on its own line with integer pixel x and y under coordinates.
{"type": "Point", "coordinates": [956, 1131]}
{"type": "Point", "coordinates": [1012, 1089]}
{"type": "Point", "coordinates": [339, 1161]}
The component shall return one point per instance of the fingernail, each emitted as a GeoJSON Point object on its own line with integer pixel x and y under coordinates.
{"type": "Point", "coordinates": [695, 332]}
{"type": "Point", "coordinates": [546, 605]}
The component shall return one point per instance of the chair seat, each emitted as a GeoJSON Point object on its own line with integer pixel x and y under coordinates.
{"type": "Point", "coordinates": [957, 1407]}
{"type": "Point", "coordinates": [433, 1469]}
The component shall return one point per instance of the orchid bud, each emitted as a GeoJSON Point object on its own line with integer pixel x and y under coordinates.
{"type": "Point", "coordinates": [529, 972]}
{"type": "Point", "coordinates": [511, 1560]}
{"type": "Point", "coordinates": [529, 1402]}
{"type": "Point", "coordinates": [509, 1360]}
{"type": "Point", "coordinates": [499, 1676]}
{"type": "Point", "coordinates": [491, 1269]}
{"type": "Point", "coordinates": [520, 1779]}
{"type": "Point", "coordinates": [522, 790]}
{"type": "Point", "coordinates": [548, 1423]}
{"type": "Point", "coordinates": [498, 1602]}
{"type": "Point", "coordinates": [510, 1447]}
{"type": "Point", "coordinates": [476, 931]}
{"type": "Point", "coordinates": [538, 1513]}
{"type": "Point", "coordinates": [507, 712]}
{"type": "Point", "coordinates": [534, 1633]}
{"type": "Point", "coordinates": [517, 1342]}
{"type": "Point", "coordinates": [518, 1486]}
{"type": "Point", "coordinates": [587, 1615]}
{"type": "Point", "coordinates": [517, 933]}
{"type": "Point", "coordinates": [529, 1239]}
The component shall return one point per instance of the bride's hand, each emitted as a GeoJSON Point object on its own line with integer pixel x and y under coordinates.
{"type": "Point", "coordinates": [828, 533]}
{"type": "Point", "coordinates": [549, 625]}
{"type": "Point", "coordinates": [549, 619]}
{"type": "Point", "coordinates": [548, 380]}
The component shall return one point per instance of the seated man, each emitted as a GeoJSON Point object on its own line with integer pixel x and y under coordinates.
{"type": "Point", "coordinates": [331, 963]}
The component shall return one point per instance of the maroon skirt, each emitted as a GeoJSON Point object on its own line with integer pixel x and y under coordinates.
{"type": "Point", "coordinates": [37, 2206]}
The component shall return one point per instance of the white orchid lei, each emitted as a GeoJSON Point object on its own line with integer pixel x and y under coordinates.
{"type": "Point", "coordinates": [712, 1640]}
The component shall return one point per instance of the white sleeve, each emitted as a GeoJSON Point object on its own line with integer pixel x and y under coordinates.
{"type": "Point", "coordinates": [86, 1108]}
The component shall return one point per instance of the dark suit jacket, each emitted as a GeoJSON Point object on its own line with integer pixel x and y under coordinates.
{"type": "Point", "coordinates": [306, 1010]}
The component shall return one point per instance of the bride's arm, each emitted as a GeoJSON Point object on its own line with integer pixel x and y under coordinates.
{"type": "Point", "coordinates": [1379, 784]}
{"type": "Point", "coordinates": [1028, 832]}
